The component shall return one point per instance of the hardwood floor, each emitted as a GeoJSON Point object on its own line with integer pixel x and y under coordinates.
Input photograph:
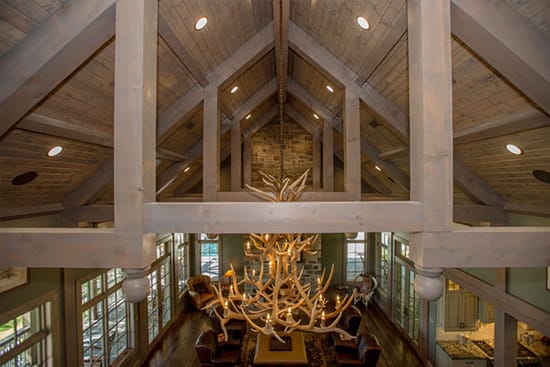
{"type": "Point", "coordinates": [177, 347]}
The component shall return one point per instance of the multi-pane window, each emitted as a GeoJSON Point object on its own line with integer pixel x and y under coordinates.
{"type": "Point", "coordinates": [159, 300]}
{"type": "Point", "coordinates": [355, 256]}
{"type": "Point", "coordinates": [384, 260]}
{"type": "Point", "coordinates": [182, 259]}
{"type": "Point", "coordinates": [26, 340]}
{"type": "Point", "coordinates": [106, 319]}
{"type": "Point", "coordinates": [210, 255]}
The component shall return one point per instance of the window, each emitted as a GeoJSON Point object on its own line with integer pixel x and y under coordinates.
{"type": "Point", "coordinates": [355, 256]}
{"type": "Point", "coordinates": [384, 260]}
{"type": "Point", "coordinates": [209, 253]}
{"type": "Point", "coordinates": [159, 300]}
{"type": "Point", "coordinates": [182, 259]}
{"type": "Point", "coordinates": [106, 319]}
{"type": "Point", "coordinates": [26, 340]}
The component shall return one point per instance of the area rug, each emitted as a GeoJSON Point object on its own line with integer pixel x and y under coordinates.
{"type": "Point", "coordinates": [319, 353]}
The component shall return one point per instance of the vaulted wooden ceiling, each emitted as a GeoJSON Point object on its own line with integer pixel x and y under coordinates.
{"type": "Point", "coordinates": [64, 96]}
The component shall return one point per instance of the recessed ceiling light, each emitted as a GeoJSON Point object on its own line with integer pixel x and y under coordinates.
{"type": "Point", "coordinates": [316, 116]}
{"type": "Point", "coordinates": [377, 168]}
{"type": "Point", "coordinates": [234, 89]}
{"type": "Point", "coordinates": [24, 178]}
{"type": "Point", "coordinates": [248, 116]}
{"type": "Point", "coordinates": [330, 89]}
{"type": "Point", "coordinates": [187, 169]}
{"type": "Point", "coordinates": [514, 149]}
{"type": "Point", "coordinates": [55, 151]}
{"type": "Point", "coordinates": [363, 23]}
{"type": "Point", "coordinates": [201, 23]}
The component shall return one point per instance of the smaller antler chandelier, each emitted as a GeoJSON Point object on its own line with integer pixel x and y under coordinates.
{"type": "Point", "coordinates": [277, 301]}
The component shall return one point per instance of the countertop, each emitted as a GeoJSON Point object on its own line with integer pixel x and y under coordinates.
{"type": "Point", "coordinates": [457, 350]}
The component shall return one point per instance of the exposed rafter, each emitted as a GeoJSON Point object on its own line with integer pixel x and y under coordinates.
{"type": "Point", "coordinates": [281, 16]}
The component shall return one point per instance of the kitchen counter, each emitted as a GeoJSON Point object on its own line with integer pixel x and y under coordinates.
{"type": "Point", "coordinates": [457, 350]}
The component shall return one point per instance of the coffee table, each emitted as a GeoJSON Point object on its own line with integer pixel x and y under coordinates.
{"type": "Point", "coordinates": [295, 357]}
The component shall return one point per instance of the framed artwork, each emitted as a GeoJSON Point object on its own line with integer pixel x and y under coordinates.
{"type": "Point", "coordinates": [11, 277]}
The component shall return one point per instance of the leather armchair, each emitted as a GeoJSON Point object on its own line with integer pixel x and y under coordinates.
{"type": "Point", "coordinates": [235, 328]}
{"type": "Point", "coordinates": [366, 354]}
{"type": "Point", "coordinates": [210, 354]}
{"type": "Point", "coordinates": [350, 321]}
{"type": "Point", "coordinates": [200, 290]}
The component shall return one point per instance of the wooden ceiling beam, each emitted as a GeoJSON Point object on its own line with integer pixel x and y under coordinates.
{"type": "Point", "coordinates": [263, 94]}
{"type": "Point", "coordinates": [281, 16]}
{"type": "Point", "coordinates": [187, 60]}
{"type": "Point", "coordinates": [295, 89]}
{"type": "Point", "coordinates": [28, 211]}
{"type": "Point", "coordinates": [189, 183]}
{"type": "Point", "coordinates": [309, 126]}
{"type": "Point", "coordinates": [539, 210]}
{"type": "Point", "coordinates": [508, 42]}
{"type": "Point", "coordinates": [261, 122]}
{"type": "Point", "coordinates": [48, 55]}
{"type": "Point", "coordinates": [89, 213]}
{"type": "Point", "coordinates": [93, 187]}
{"type": "Point", "coordinates": [508, 125]}
{"type": "Point", "coordinates": [473, 215]}
{"type": "Point", "coordinates": [397, 152]}
{"type": "Point", "coordinates": [384, 47]}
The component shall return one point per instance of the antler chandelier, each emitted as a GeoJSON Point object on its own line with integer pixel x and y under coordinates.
{"type": "Point", "coordinates": [278, 302]}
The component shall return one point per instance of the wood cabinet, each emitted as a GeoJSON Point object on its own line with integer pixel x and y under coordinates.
{"type": "Point", "coordinates": [442, 359]}
{"type": "Point", "coordinates": [486, 311]}
{"type": "Point", "coordinates": [460, 309]}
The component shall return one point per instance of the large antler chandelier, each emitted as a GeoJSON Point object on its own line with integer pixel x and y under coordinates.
{"type": "Point", "coordinates": [272, 298]}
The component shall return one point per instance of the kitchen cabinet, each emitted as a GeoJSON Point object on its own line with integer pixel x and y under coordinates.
{"type": "Point", "coordinates": [486, 311]}
{"type": "Point", "coordinates": [460, 309]}
{"type": "Point", "coordinates": [444, 360]}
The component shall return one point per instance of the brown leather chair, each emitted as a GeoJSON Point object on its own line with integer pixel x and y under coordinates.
{"type": "Point", "coordinates": [200, 290]}
{"type": "Point", "coordinates": [210, 354]}
{"type": "Point", "coordinates": [350, 321]}
{"type": "Point", "coordinates": [366, 354]}
{"type": "Point", "coordinates": [235, 328]}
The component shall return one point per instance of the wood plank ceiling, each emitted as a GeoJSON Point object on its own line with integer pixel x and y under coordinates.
{"type": "Point", "coordinates": [489, 111]}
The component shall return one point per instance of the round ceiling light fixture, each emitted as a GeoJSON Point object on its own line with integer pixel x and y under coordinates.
{"type": "Point", "coordinates": [248, 117]}
{"type": "Point", "coordinates": [187, 169]}
{"type": "Point", "coordinates": [234, 90]}
{"type": "Point", "coordinates": [377, 168]}
{"type": "Point", "coordinates": [24, 178]}
{"type": "Point", "coordinates": [542, 176]}
{"type": "Point", "coordinates": [330, 89]}
{"type": "Point", "coordinates": [316, 116]}
{"type": "Point", "coordinates": [201, 23]}
{"type": "Point", "coordinates": [363, 23]}
{"type": "Point", "coordinates": [55, 151]}
{"type": "Point", "coordinates": [514, 149]}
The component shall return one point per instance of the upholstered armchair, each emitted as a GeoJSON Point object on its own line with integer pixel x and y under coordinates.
{"type": "Point", "coordinates": [366, 354]}
{"type": "Point", "coordinates": [235, 328]}
{"type": "Point", "coordinates": [212, 355]}
{"type": "Point", "coordinates": [200, 290]}
{"type": "Point", "coordinates": [350, 321]}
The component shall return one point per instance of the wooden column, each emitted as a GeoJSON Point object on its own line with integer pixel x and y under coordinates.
{"type": "Point", "coordinates": [211, 146]}
{"type": "Point", "coordinates": [236, 162]}
{"type": "Point", "coordinates": [328, 156]}
{"type": "Point", "coordinates": [135, 119]}
{"type": "Point", "coordinates": [430, 102]}
{"type": "Point", "coordinates": [352, 144]}
{"type": "Point", "coordinates": [247, 160]}
{"type": "Point", "coordinates": [316, 171]}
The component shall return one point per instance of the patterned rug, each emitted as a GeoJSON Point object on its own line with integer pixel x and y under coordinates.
{"type": "Point", "coordinates": [319, 353]}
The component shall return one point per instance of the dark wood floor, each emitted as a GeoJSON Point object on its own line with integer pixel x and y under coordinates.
{"type": "Point", "coordinates": [177, 347]}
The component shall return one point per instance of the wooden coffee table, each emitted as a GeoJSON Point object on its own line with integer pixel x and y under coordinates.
{"type": "Point", "coordinates": [295, 357]}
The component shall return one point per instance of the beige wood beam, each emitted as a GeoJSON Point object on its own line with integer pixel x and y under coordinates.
{"type": "Point", "coordinates": [211, 147]}
{"type": "Point", "coordinates": [135, 122]}
{"type": "Point", "coordinates": [307, 125]}
{"type": "Point", "coordinates": [474, 186]}
{"type": "Point", "coordinates": [188, 61]}
{"type": "Point", "coordinates": [247, 160]}
{"type": "Point", "coordinates": [508, 42]}
{"type": "Point", "coordinates": [262, 95]}
{"type": "Point", "coordinates": [506, 338]}
{"type": "Point", "coordinates": [20, 212]}
{"type": "Point", "coordinates": [543, 210]}
{"type": "Point", "coordinates": [189, 183]}
{"type": "Point", "coordinates": [508, 125]}
{"type": "Point", "coordinates": [261, 122]}
{"type": "Point", "coordinates": [517, 308]}
{"type": "Point", "coordinates": [93, 187]}
{"type": "Point", "coordinates": [489, 247]}
{"type": "Point", "coordinates": [303, 217]}
{"type": "Point", "coordinates": [328, 156]}
{"type": "Point", "coordinates": [236, 153]}
{"type": "Point", "coordinates": [352, 144]}
{"type": "Point", "coordinates": [383, 48]}
{"type": "Point", "coordinates": [475, 214]}
{"type": "Point", "coordinates": [397, 152]}
{"type": "Point", "coordinates": [89, 213]}
{"type": "Point", "coordinates": [305, 196]}
{"type": "Point", "coordinates": [281, 16]}
{"type": "Point", "coordinates": [70, 247]}
{"type": "Point", "coordinates": [42, 60]}
{"type": "Point", "coordinates": [295, 89]}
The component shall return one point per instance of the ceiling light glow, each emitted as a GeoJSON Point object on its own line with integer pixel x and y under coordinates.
{"type": "Point", "coordinates": [201, 23]}
{"type": "Point", "coordinates": [55, 151]}
{"type": "Point", "coordinates": [234, 89]}
{"type": "Point", "coordinates": [330, 89]}
{"type": "Point", "coordinates": [248, 116]}
{"type": "Point", "coordinates": [514, 149]}
{"type": "Point", "coordinates": [377, 168]}
{"type": "Point", "coordinates": [363, 23]}
{"type": "Point", "coordinates": [187, 169]}
{"type": "Point", "coordinates": [316, 116]}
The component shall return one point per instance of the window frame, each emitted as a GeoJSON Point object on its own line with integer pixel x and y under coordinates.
{"type": "Point", "coordinates": [355, 241]}
{"type": "Point", "coordinates": [218, 242]}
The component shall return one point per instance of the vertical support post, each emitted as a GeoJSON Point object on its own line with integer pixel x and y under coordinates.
{"type": "Point", "coordinates": [352, 144]}
{"type": "Point", "coordinates": [211, 146]}
{"type": "Point", "coordinates": [316, 158]}
{"type": "Point", "coordinates": [431, 137]}
{"type": "Point", "coordinates": [236, 167]}
{"type": "Point", "coordinates": [135, 121]}
{"type": "Point", "coordinates": [328, 156]}
{"type": "Point", "coordinates": [505, 327]}
{"type": "Point", "coordinates": [135, 111]}
{"type": "Point", "coordinates": [247, 160]}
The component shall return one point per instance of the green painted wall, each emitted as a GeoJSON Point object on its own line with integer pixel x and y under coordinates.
{"type": "Point", "coordinates": [232, 252]}
{"type": "Point", "coordinates": [332, 244]}
{"type": "Point", "coordinates": [529, 284]}
{"type": "Point", "coordinates": [488, 275]}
